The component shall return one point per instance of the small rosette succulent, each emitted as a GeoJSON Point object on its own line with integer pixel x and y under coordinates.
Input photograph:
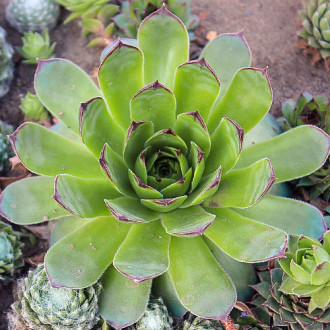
{"type": "Point", "coordinates": [39, 306]}
{"type": "Point", "coordinates": [36, 45]}
{"type": "Point", "coordinates": [32, 15]}
{"type": "Point", "coordinates": [6, 150]}
{"type": "Point", "coordinates": [10, 252]}
{"type": "Point", "coordinates": [160, 173]}
{"type": "Point", "coordinates": [198, 323]}
{"type": "Point", "coordinates": [316, 25]}
{"type": "Point", "coordinates": [33, 109]}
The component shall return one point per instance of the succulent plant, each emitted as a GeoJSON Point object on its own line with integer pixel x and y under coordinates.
{"type": "Point", "coordinates": [36, 45]}
{"type": "Point", "coordinates": [6, 64]}
{"type": "Point", "coordinates": [198, 323]}
{"type": "Point", "coordinates": [33, 108]}
{"type": "Point", "coordinates": [315, 111]}
{"type": "Point", "coordinates": [6, 150]}
{"type": "Point", "coordinates": [133, 12]}
{"type": "Point", "coordinates": [39, 306]}
{"type": "Point", "coordinates": [10, 252]}
{"type": "Point", "coordinates": [31, 15]}
{"type": "Point", "coordinates": [159, 181]}
{"type": "Point", "coordinates": [316, 26]}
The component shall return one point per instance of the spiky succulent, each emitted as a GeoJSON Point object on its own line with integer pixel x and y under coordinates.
{"type": "Point", "coordinates": [315, 111]}
{"type": "Point", "coordinates": [6, 150]}
{"type": "Point", "coordinates": [33, 109]}
{"type": "Point", "coordinates": [36, 45]}
{"type": "Point", "coordinates": [161, 163]}
{"type": "Point", "coordinates": [198, 323]}
{"type": "Point", "coordinates": [32, 15]}
{"type": "Point", "coordinates": [6, 64]}
{"type": "Point", "coordinates": [10, 252]}
{"type": "Point", "coordinates": [133, 12]}
{"type": "Point", "coordinates": [316, 25]}
{"type": "Point", "coordinates": [39, 306]}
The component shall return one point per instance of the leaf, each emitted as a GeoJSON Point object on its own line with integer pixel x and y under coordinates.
{"type": "Point", "coordinates": [163, 205]}
{"type": "Point", "coordinates": [244, 239]}
{"type": "Point", "coordinates": [201, 284]}
{"type": "Point", "coordinates": [244, 187]}
{"type": "Point", "coordinates": [144, 253]}
{"type": "Point", "coordinates": [47, 153]}
{"type": "Point", "coordinates": [122, 66]}
{"type": "Point", "coordinates": [79, 259]}
{"type": "Point", "coordinates": [122, 302]}
{"type": "Point", "coordinates": [179, 187]}
{"type": "Point", "coordinates": [294, 217]}
{"type": "Point", "coordinates": [62, 86]}
{"type": "Point", "coordinates": [154, 103]}
{"type": "Point", "coordinates": [165, 44]}
{"type": "Point", "coordinates": [288, 152]}
{"type": "Point", "coordinates": [30, 201]}
{"type": "Point", "coordinates": [197, 161]}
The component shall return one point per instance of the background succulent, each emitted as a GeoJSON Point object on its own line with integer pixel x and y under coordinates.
{"type": "Point", "coordinates": [33, 109]}
{"type": "Point", "coordinates": [197, 323]}
{"type": "Point", "coordinates": [316, 23]}
{"type": "Point", "coordinates": [36, 45]}
{"type": "Point", "coordinates": [314, 111]}
{"type": "Point", "coordinates": [6, 150]}
{"type": "Point", "coordinates": [6, 63]}
{"type": "Point", "coordinates": [172, 173]}
{"type": "Point", "coordinates": [31, 15]}
{"type": "Point", "coordinates": [39, 306]}
{"type": "Point", "coordinates": [10, 253]}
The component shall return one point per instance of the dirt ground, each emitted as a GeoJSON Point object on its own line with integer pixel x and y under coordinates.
{"type": "Point", "coordinates": [270, 27]}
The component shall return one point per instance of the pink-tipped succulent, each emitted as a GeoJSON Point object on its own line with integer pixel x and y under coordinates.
{"type": "Point", "coordinates": [159, 176]}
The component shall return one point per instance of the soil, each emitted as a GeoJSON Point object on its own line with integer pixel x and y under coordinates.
{"type": "Point", "coordinates": [270, 27]}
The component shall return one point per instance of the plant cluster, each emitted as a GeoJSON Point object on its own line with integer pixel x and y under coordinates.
{"type": "Point", "coordinates": [33, 109]}
{"type": "Point", "coordinates": [6, 150]}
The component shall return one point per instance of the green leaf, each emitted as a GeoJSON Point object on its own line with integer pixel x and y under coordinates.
{"type": "Point", "coordinates": [294, 217]}
{"type": "Point", "coordinates": [154, 103]}
{"type": "Point", "coordinates": [115, 168]}
{"type": "Point", "coordinates": [144, 253]}
{"type": "Point", "coordinates": [244, 239]}
{"type": "Point", "coordinates": [321, 274]}
{"type": "Point", "coordinates": [97, 127]}
{"type": "Point", "coordinates": [239, 104]}
{"type": "Point", "coordinates": [287, 152]}
{"type": "Point", "coordinates": [326, 241]}
{"type": "Point", "coordinates": [48, 153]}
{"type": "Point", "coordinates": [130, 210]}
{"type": "Point", "coordinates": [322, 298]}
{"type": "Point", "coordinates": [63, 130]}
{"type": "Point", "coordinates": [138, 133]}
{"type": "Point", "coordinates": [196, 159]}
{"type": "Point", "coordinates": [196, 87]}
{"type": "Point", "coordinates": [191, 128]}
{"type": "Point", "coordinates": [84, 197]}
{"type": "Point", "coordinates": [79, 259]}
{"type": "Point", "coordinates": [226, 54]}
{"type": "Point", "coordinates": [179, 187]}
{"type": "Point", "coordinates": [122, 302]}
{"type": "Point", "coordinates": [30, 201]}
{"type": "Point", "coordinates": [306, 290]}
{"type": "Point", "coordinates": [288, 285]}
{"type": "Point", "coordinates": [163, 205]}
{"type": "Point", "coordinates": [123, 66]}
{"type": "Point", "coordinates": [226, 145]}
{"type": "Point", "coordinates": [62, 86]}
{"type": "Point", "coordinates": [165, 44]}
{"type": "Point", "coordinates": [299, 273]}
{"type": "Point", "coordinates": [192, 221]}
{"type": "Point", "coordinates": [244, 187]}
{"type": "Point", "coordinates": [201, 284]}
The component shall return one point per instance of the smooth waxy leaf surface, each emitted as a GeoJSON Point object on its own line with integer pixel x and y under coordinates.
{"type": "Point", "coordinates": [47, 153]}
{"type": "Point", "coordinates": [30, 201]}
{"type": "Point", "coordinates": [196, 157]}
{"type": "Point", "coordinates": [201, 284]}
{"type": "Point", "coordinates": [144, 253]}
{"type": "Point", "coordinates": [196, 87]}
{"type": "Point", "coordinates": [122, 301]}
{"type": "Point", "coordinates": [130, 210]}
{"type": "Point", "coordinates": [97, 127]}
{"type": "Point", "coordinates": [226, 145]}
{"type": "Point", "coordinates": [120, 77]}
{"type": "Point", "coordinates": [79, 259]}
{"type": "Point", "coordinates": [244, 187]}
{"type": "Point", "coordinates": [163, 205]}
{"type": "Point", "coordinates": [244, 239]}
{"type": "Point", "coordinates": [154, 103]}
{"type": "Point", "coordinates": [65, 131]}
{"type": "Point", "coordinates": [84, 197]}
{"type": "Point", "coordinates": [239, 104]}
{"type": "Point", "coordinates": [288, 152]}
{"type": "Point", "coordinates": [190, 222]}
{"type": "Point", "coordinates": [62, 86]}
{"type": "Point", "coordinates": [179, 187]}
{"type": "Point", "coordinates": [292, 216]}
{"type": "Point", "coordinates": [226, 54]}
{"type": "Point", "coordinates": [162, 58]}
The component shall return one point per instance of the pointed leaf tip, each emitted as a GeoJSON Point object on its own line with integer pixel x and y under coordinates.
{"type": "Point", "coordinates": [199, 118]}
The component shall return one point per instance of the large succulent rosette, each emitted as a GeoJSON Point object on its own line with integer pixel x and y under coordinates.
{"type": "Point", "coordinates": [159, 163]}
